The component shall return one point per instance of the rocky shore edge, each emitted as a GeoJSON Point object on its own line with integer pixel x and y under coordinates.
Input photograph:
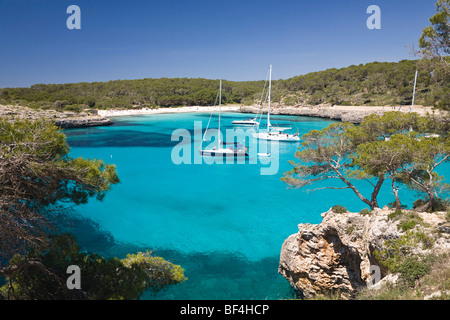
{"type": "Point", "coordinates": [354, 114]}
{"type": "Point", "coordinates": [339, 255]}
{"type": "Point", "coordinates": [63, 119]}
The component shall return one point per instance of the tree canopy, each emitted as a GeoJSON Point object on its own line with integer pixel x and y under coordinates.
{"type": "Point", "coordinates": [402, 147]}
{"type": "Point", "coordinates": [42, 275]}
{"type": "Point", "coordinates": [39, 181]}
{"type": "Point", "coordinates": [376, 83]}
{"type": "Point", "coordinates": [435, 39]}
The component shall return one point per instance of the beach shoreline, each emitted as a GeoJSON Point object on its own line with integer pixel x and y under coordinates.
{"type": "Point", "coordinates": [353, 114]}
{"type": "Point", "coordinates": [147, 111]}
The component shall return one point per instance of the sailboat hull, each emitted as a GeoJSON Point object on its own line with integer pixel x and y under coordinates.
{"type": "Point", "coordinates": [224, 153]}
{"type": "Point", "coordinates": [251, 122]}
{"type": "Point", "coordinates": [276, 137]}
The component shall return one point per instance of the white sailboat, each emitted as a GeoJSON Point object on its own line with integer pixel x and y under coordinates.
{"type": "Point", "coordinates": [273, 132]}
{"type": "Point", "coordinates": [246, 122]}
{"type": "Point", "coordinates": [235, 150]}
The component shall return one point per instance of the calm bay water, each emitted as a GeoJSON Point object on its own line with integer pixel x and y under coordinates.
{"type": "Point", "coordinates": [223, 223]}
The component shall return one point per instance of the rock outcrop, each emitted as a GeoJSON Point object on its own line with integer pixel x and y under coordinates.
{"type": "Point", "coordinates": [63, 119]}
{"type": "Point", "coordinates": [336, 255]}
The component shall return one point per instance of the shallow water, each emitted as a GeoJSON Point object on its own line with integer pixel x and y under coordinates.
{"type": "Point", "coordinates": [223, 223]}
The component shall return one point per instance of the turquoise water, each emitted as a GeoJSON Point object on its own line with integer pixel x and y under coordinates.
{"type": "Point", "coordinates": [223, 223]}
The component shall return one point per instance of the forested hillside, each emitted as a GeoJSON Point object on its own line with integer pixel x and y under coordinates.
{"type": "Point", "coordinates": [376, 83]}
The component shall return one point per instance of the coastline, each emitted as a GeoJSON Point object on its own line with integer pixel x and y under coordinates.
{"type": "Point", "coordinates": [353, 114]}
{"type": "Point", "coordinates": [63, 119]}
{"type": "Point", "coordinates": [146, 111]}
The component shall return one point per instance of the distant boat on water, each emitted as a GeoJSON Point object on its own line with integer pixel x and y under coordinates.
{"type": "Point", "coordinates": [234, 149]}
{"type": "Point", "coordinates": [246, 122]}
{"type": "Point", "coordinates": [273, 132]}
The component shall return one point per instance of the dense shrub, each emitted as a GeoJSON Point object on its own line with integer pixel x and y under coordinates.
{"type": "Point", "coordinates": [438, 205]}
{"type": "Point", "coordinates": [365, 211]}
{"type": "Point", "coordinates": [414, 267]}
{"type": "Point", "coordinates": [339, 209]}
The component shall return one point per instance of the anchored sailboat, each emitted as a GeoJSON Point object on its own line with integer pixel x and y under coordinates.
{"type": "Point", "coordinates": [274, 132]}
{"type": "Point", "coordinates": [235, 149]}
{"type": "Point", "coordinates": [246, 122]}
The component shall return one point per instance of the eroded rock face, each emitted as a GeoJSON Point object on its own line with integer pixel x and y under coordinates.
{"type": "Point", "coordinates": [352, 114]}
{"type": "Point", "coordinates": [336, 255]}
{"type": "Point", "coordinates": [63, 119]}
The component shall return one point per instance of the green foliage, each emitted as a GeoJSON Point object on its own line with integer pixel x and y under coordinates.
{"type": "Point", "coordinates": [141, 93]}
{"type": "Point", "coordinates": [435, 38]}
{"type": "Point", "coordinates": [350, 229]}
{"type": "Point", "coordinates": [390, 292]}
{"type": "Point", "coordinates": [435, 50]}
{"type": "Point", "coordinates": [395, 251]}
{"type": "Point", "coordinates": [374, 83]}
{"type": "Point", "coordinates": [365, 212]}
{"type": "Point", "coordinates": [419, 276]}
{"type": "Point", "coordinates": [438, 205]}
{"type": "Point", "coordinates": [395, 214]}
{"type": "Point", "coordinates": [407, 220]}
{"type": "Point", "coordinates": [42, 274]}
{"type": "Point", "coordinates": [159, 272]}
{"type": "Point", "coordinates": [392, 205]}
{"type": "Point", "coordinates": [339, 209]}
{"type": "Point", "coordinates": [402, 147]}
{"type": "Point", "coordinates": [408, 224]}
{"type": "Point", "coordinates": [39, 178]}
{"type": "Point", "coordinates": [414, 267]}
{"type": "Point", "coordinates": [325, 155]}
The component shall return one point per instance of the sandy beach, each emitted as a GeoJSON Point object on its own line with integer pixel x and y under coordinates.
{"type": "Point", "coordinates": [344, 113]}
{"type": "Point", "coordinates": [146, 111]}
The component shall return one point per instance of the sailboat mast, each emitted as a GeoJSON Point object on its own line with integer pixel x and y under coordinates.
{"type": "Point", "coordinates": [220, 103]}
{"type": "Point", "coordinates": [414, 92]}
{"type": "Point", "coordinates": [270, 89]}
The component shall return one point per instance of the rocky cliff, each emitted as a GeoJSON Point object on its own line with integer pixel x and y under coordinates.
{"type": "Point", "coordinates": [337, 255]}
{"type": "Point", "coordinates": [62, 119]}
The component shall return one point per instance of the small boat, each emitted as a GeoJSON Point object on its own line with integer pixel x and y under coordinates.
{"type": "Point", "coordinates": [246, 122]}
{"type": "Point", "coordinates": [264, 154]}
{"type": "Point", "coordinates": [235, 150]}
{"type": "Point", "coordinates": [276, 136]}
{"type": "Point", "coordinates": [223, 152]}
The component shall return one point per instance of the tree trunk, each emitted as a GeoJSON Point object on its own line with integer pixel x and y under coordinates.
{"type": "Point", "coordinates": [375, 193]}
{"type": "Point", "coordinates": [398, 205]}
{"type": "Point", "coordinates": [371, 203]}
{"type": "Point", "coordinates": [429, 205]}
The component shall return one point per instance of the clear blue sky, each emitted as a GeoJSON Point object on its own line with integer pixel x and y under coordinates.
{"type": "Point", "coordinates": [228, 39]}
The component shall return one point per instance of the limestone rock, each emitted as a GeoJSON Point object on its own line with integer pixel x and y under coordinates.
{"type": "Point", "coordinates": [354, 114]}
{"type": "Point", "coordinates": [336, 255]}
{"type": "Point", "coordinates": [63, 119]}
